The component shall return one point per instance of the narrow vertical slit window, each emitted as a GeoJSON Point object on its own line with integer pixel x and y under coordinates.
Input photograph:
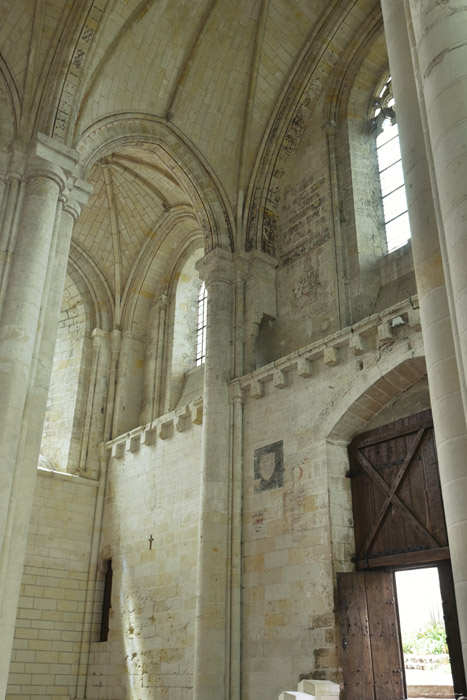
{"type": "Point", "coordinates": [106, 603]}
{"type": "Point", "coordinates": [391, 176]}
{"type": "Point", "coordinates": [201, 325]}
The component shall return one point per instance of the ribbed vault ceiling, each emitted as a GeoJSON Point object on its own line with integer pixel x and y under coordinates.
{"type": "Point", "coordinates": [217, 72]}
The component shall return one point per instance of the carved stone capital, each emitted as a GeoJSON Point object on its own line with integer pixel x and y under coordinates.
{"type": "Point", "coordinates": [216, 267]}
{"type": "Point", "coordinates": [52, 160]}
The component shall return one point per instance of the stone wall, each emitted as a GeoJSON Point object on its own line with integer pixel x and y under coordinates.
{"type": "Point", "coordinates": [297, 512]}
{"type": "Point", "coordinates": [49, 623]}
{"type": "Point", "coordinates": [150, 532]}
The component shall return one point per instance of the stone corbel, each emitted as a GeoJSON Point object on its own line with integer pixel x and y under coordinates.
{"type": "Point", "coordinates": [165, 429]}
{"type": "Point", "coordinates": [385, 335]}
{"type": "Point", "coordinates": [236, 393]}
{"type": "Point", "coordinates": [304, 367]}
{"type": "Point", "coordinates": [279, 379]}
{"type": "Point", "coordinates": [256, 389]}
{"type": "Point", "coordinates": [133, 442]}
{"type": "Point", "coordinates": [117, 450]}
{"type": "Point", "coordinates": [356, 343]}
{"type": "Point", "coordinates": [330, 356]}
{"type": "Point", "coordinates": [196, 408]}
{"type": "Point", "coordinates": [182, 419]}
{"type": "Point", "coordinates": [149, 434]}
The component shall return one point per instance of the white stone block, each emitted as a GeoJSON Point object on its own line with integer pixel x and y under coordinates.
{"type": "Point", "coordinates": [330, 356]}
{"type": "Point", "coordinates": [322, 690]}
{"type": "Point", "coordinates": [256, 389]}
{"type": "Point", "coordinates": [356, 344]}
{"type": "Point", "coordinates": [304, 367]}
{"type": "Point", "coordinates": [385, 332]}
{"type": "Point", "coordinates": [279, 379]}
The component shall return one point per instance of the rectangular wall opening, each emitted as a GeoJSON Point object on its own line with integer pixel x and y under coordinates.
{"type": "Point", "coordinates": [426, 655]}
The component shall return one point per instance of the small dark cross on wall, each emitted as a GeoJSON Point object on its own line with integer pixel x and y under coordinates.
{"type": "Point", "coordinates": [151, 540]}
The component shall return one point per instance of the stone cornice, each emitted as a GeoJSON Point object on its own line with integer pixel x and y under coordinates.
{"type": "Point", "coordinates": [375, 332]}
{"type": "Point", "coordinates": [162, 428]}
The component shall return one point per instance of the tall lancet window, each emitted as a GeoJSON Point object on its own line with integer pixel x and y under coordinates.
{"type": "Point", "coordinates": [396, 218]}
{"type": "Point", "coordinates": [201, 325]}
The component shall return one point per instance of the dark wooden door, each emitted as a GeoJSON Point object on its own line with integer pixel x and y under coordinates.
{"type": "Point", "coordinates": [399, 523]}
{"type": "Point", "coordinates": [371, 646]}
{"type": "Point", "coordinates": [396, 495]}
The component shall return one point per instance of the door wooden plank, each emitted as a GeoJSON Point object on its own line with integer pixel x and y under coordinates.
{"type": "Point", "coordinates": [388, 433]}
{"type": "Point", "coordinates": [433, 489]}
{"type": "Point", "coordinates": [356, 650]}
{"type": "Point", "coordinates": [385, 640]}
{"type": "Point", "coordinates": [429, 539]}
{"type": "Point", "coordinates": [406, 536]}
{"type": "Point", "coordinates": [371, 650]}
{"type": "Point", "coordinates": [404, 559]}
{"type": "Point", "coordinates": [390, 494]}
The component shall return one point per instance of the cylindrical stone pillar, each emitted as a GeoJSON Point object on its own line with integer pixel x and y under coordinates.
{"type": "Point", "coordinates": [440, 30]}
{"type": "Point", "coordinates": [442, 369]}
{"type": "Point", "coordinates": [211, 672]}
{"type": "Point", "coordinates": [22, 491]}
{"type": "Point", "coordinates": [20, 317]}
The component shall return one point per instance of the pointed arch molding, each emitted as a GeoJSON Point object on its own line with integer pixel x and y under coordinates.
{"type": "Point", "coordinates": [96, 291]}
{"type": "Point", "coordinates": [153, 269]}
{"type": "Point", "coordinates": [10, 105]}
{"type": "Point", "coordinates": [380, 385]}
{"type": "Point", "coordinates": [206, 194]}
{"type": "Point", "coordinates": [308, 78]}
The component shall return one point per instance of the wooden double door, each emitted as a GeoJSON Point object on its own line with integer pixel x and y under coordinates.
{"type": "Point", "coordinates": [399, 524]}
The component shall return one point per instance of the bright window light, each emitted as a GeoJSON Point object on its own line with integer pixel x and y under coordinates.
{"type": "Point", "coordinates": [396, 219]}
{"type": "Point", "coordinates": [201, 326]}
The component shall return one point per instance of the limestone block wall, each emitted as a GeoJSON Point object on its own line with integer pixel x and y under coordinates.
{"type": "Point", "coordinates": [306, 290]}
{"type": "Point", "coordinates": [332, 271]}
{"type": "Point", "coordinates": [300, 413]}
{"type": "Point", "coordinates": [150, 532]}
{"type": "Point", "coordinates": [49, 623]}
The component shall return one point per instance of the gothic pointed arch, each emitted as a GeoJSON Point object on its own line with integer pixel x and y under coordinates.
{"type": "Point", "coordinates": [340, 25]}
{"type": "Point", "coordinates": [172, 154]}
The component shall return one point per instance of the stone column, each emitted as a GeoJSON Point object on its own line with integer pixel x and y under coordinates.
{"type": "Point", "coordinates": [29, 431]}
{"type": "Point", "coordinates": [212, 633]}
{"type": "Point", "coordinates": [11, 207]}
{"type": "Point", "coordinates": [437, 327]}
{"type": "Point", "coordinates": [45, 179]}
{"type": "Point", "coordinates": [236, 399]}
{"type": "Point", "coordinates": [115, 346]}
{"type": "Point", "coordinates": [440, 30]}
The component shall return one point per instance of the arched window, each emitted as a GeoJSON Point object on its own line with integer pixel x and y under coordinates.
{"type": "Point", "coordinates": [201, 325]}
{"type": "Point", "coordinates": [396, 218]}
{"type": "Point", "coordinates": [186, 332]}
